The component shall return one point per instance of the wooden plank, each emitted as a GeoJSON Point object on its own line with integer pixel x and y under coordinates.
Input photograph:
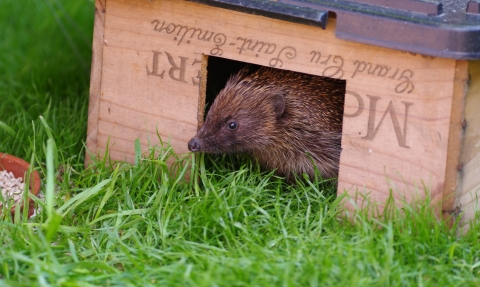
{"type": "Point", "coordinates": [454, 140]}
{"type": "Point", "coordinates": [468, 185]}
{"type": "Point", "coordinates": [203, 92]}
{"type": "Point", "coordinates": [396, 138]}
{"type": "Point", "coordinates": [95, 79]}
{"type": "Point", "coordinates": [140, 94]}
{"type": "Point", "coordinates": [398, 108]}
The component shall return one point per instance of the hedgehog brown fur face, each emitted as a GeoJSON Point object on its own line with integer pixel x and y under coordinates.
{"type": "Point", "coordinates": [282, 119]}
{"type": "Point", "coordinates": [231, 126]}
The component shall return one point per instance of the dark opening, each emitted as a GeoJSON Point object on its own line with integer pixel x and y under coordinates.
{"type": "Point", "coordinates": [219, 71]}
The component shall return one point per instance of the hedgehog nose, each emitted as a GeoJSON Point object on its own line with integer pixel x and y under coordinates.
{"type": "Point", "coordinates": [194, 145]}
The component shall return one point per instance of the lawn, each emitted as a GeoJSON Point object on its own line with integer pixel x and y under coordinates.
{"type": "Point", "coordinates": [145, 225]}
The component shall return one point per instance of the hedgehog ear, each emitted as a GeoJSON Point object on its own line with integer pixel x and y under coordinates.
{"type": "Point", "coordinates": [278, 104]}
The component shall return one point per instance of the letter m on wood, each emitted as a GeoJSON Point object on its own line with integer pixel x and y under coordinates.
{"type": "Point", "coordinates": [372, 130]}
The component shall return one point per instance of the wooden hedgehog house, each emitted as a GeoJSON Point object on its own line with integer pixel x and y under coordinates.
{"type": "Point", "coordinates": [412, 102]}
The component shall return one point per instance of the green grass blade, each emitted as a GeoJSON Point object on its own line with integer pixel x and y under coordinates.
{"type": "Point", "coordinates": [82, 197]}
{"type": "Point", "coordinates": [53, 146]}
{"type": "Point", "coordinates": [50, 186]}
{"type": "Point", "coordinates": [6, 128]}
{"type": "Point", "coordinates": [138, 152]}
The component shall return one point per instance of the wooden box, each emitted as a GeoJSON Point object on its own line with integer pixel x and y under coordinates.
{"type": "Point", "coordinates": [410, 122]}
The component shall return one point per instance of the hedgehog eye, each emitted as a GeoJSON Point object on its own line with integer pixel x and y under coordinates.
{"type": "Point", "coordinates": [232, 126]}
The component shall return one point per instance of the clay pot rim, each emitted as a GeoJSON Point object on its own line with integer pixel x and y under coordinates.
{"type": "Point", "coordinates": [19, 168]}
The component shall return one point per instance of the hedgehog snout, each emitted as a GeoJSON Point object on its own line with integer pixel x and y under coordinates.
{"type": "Point", "coordinates": [194, 145]}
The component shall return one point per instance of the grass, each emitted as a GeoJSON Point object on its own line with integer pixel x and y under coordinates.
{"type": "Point", "coordinates": [139, 225]}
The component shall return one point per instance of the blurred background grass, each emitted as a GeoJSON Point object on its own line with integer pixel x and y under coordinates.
{"type": "Point", "coordinates": [45, 54]}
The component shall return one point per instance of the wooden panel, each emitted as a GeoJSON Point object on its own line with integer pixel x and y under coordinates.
{"type": "Point", "coordinates": [468, 186]}
{"type": "Point", "coordinates": [398, 108]}
{"type": "Point", "coordinates": [95, 79]}
{"type": "Point", "coordinates": [396, 128]}
{"type": "Point", "coordinates": [148, 85]}
{"type": "Point", "coordinates": [454, 139]}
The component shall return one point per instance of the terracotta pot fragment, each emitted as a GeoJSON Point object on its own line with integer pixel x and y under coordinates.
{"type": "Point", "coordinates": [19, 168]}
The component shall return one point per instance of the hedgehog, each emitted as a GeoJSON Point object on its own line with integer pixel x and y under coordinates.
{"type": "Point", "coordinates": [287, 121]}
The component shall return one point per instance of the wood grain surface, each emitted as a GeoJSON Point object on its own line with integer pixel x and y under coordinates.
{"type": "Point", "coordinates": [468, 185]}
